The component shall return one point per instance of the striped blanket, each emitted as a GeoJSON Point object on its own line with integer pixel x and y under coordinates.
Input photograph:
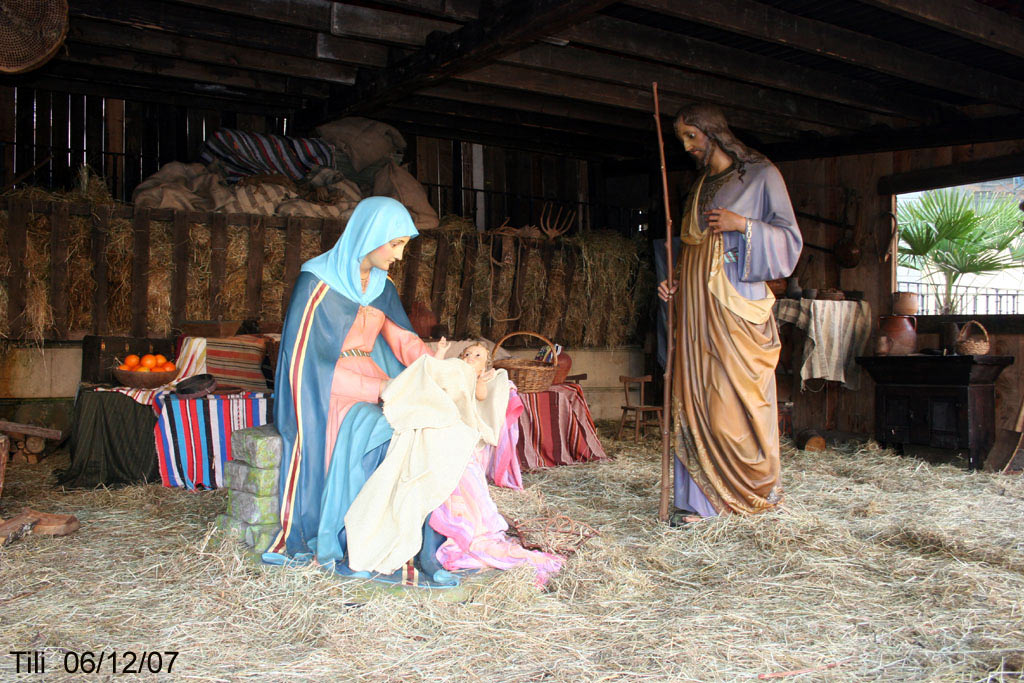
{"type": "Point", "coordinates": [193, 436]}
{"type": "Point", "coordinates": [556, 428]}
{"type": "Point", "coordinates": [240, 154]}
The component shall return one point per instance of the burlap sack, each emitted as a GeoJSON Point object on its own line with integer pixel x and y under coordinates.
{"type": "Point", "coordinates": [363, 141]}
{"type": "Point", "coordinates": [260, 199]}
{"type": "Point", "coordinates": [213, 192]}
{"type": "Point", "coordinates": [300, 207]}
{"type": "Point", "coordinates": [394, 181]}
{"type": "Point", "coordinates": [166, 196]}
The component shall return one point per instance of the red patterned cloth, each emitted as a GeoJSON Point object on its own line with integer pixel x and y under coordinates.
{"type": "Point", "coordinates": [556, 429]}
{"type": "Point", "coordinates": [237, 361]}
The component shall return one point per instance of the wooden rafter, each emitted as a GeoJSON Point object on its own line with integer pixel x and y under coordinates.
{"type": "Point", "coordinates": [970, 20]}
{"type": "Point", "coordinates": [479, 42]}
{"type": "Point", "coordinates": [635, 40]}
{"type": "Point", "coordinates": [766, 23]}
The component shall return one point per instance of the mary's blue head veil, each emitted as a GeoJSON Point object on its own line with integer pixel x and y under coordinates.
{"type": "Point", "coordinates": [375, 221]}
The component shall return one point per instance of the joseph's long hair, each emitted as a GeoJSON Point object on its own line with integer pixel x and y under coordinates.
{"type": "Point", "coordinates": [711, 121]}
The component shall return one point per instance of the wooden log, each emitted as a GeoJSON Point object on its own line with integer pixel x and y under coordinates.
{"type": "Point", "coordinates": [35, 444]}
{"type": "Point", "coordinates": [53, 525]}
{"type": "Point", "coordinates": [24, 430]}
{"type": "Point", "coordinates": [140, 273]}
{"type": "Point", "coordinates": [810, 440]}
{"type": "Point", "coordinates": [17, 526]}
{"type": "Point", "coordinates": [218, 264]}
{"type": "Point", "coordinates": [4, 454]}
{"type": "Point", "coordinates": [98, 246]}
{"type": "Point", "coordinates": [59, 269]}
{"type": "Point", "coordinates": [17, 227]}
{"type": "Point", "coordinates": [254, 267]}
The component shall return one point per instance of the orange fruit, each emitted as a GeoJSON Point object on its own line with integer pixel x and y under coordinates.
{"type": "Point", "coordinates": [169, 367]}
{"type": "Point", "coordinates": [131, 360]}
{"type": "Point", "coordinates": [141, 368]}
{"type": "Point", "coordinates": [161, 359]}
{"type": "Point", "coordinates": [124, 366]}
{"type": "Point", "coordinates": [148, 361]}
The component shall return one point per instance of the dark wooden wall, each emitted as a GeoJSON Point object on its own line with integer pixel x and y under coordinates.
{"type": "Point", "coordinates": [49, 135]}
{"type": "Point", "coordinates": [825, 187]}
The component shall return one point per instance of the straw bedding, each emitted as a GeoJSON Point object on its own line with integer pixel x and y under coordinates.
{"type": "Point", "coordinates": [880, 567]}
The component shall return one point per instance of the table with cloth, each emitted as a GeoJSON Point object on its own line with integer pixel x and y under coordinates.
{"type": "Point", "coordinates": [124, 436]}
{"type": "Point", "coordinates": [555, 428]}
{"type": "Point", "coordinates": [837, 332]}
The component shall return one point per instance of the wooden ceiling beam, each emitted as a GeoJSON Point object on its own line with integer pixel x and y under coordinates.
{"type": "Point", "coordinates": [970, 20]}
{"type": "Point", "coordinates": [192, 20]}
{"type": "Point", "coordinates": [584, 90]}
{"type": "Point", "coordinates": [994, 129]}
{"type": "Point", "coordinates": [540, 104]}
{"type": "Point", "coordinates": [528, 121]}
{"type": "Point", "coordinates": [212, 74]}
{"type": "Point", "coordinates": [353, 21]}
{"type": "Point", "coordinates": [636, 40]}
{"type": "Point", "coordinates": [508, 28]}
{"type": "Point", "coordinates": [766, 23]}
{"type": "Point", "coordinates": [639, 74]}
{"type": "Point", "coordinates": [101, 33]}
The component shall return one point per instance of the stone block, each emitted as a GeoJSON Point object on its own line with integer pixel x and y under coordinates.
{"type": "Point", "coordinates": [253, 509]}
{"type": "Point", "coordinates": [258, 447]}
{"type": "Point", "coordinates": [239, 476]}
{"type": "Point", "coordinates": [256, 536]}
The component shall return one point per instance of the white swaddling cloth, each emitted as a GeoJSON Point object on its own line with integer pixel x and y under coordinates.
{"type": "Point", "coordinates": [438, 424]}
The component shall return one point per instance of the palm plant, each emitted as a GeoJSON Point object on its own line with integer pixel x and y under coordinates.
{"type": "Point", "coordinates": [951, 233]}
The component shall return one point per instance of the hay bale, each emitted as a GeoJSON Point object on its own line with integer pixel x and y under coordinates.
{"type": "Point", "coordinates": [197, 301]}
{"type": "Point", "coordinates": [236, 273]}
{"type": "Point", "coordinates": [239, 476]}
{"type": "Point", "coordinates": [158, 289]}
{"type": "Point", "coordinates": [81, 283]}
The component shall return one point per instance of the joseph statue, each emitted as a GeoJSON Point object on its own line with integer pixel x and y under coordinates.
{"type": "Point", "coordinates": [738, 230]}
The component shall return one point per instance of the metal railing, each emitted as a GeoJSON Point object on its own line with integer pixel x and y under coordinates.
{"type": "Point", "coordinates": [966, 300]}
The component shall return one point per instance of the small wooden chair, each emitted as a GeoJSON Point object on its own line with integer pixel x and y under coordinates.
{"type": "Point", "coordinates": [640, 411]}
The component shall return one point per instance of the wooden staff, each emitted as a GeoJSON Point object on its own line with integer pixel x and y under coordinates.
{"type": "Point", "coordinates": [666, 470]}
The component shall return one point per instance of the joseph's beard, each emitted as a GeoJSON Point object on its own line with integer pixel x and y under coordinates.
{"type": "Point", "coordinates": [703, 156]}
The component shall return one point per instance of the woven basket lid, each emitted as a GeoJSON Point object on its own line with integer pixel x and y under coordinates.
{"type": "Point", "coordinates": [31, 31]}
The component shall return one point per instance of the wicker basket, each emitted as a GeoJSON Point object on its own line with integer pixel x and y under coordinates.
{"type": "Point", "coordinates": [831, 295]}
{"type": "Point", "coordinates": [144, 380]}
{"type": "Point", "coordinates": [530, 376]}
{"type": "Point", "coordinates": [972, 343]}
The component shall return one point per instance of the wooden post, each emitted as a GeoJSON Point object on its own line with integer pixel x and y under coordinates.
{"type": "Point", "coordinates": [17, 227]}
{"type": "Point", "coordinates": [437, 287]}
{"type": "Point", "coordinates": [292, 258]}
{"type": "Point", "coordinates": [254, 276]}
{"type": "Point", "coordinates": [413, 257]}
{"type": "Point", "coordinates": [59, 268]}
{"type": "Point", "coordinates": [330, 233]}
{"type": "Point", "coordinates": [179, 268]}
{"type": "Point", "coordinates": [98, 240]}
{"type": "Point", "coordinates": [218, 263]}
{"type": "Point", "coordinates": [114, 147]}
{"type": "Point", "coordinates": [140, 273]}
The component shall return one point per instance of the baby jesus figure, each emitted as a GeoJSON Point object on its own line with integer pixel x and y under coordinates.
{"type": "Point", "coordinates": [443, 412]}
{"type": "Point", "coordinates": [478, 358]}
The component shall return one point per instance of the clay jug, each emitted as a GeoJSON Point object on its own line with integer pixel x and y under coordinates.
{"type": "Point", "coordinates": [901, 330]}
{"type": "Point", "coordinates": [883, 345]}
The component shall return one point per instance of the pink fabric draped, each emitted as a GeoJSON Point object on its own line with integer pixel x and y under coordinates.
{"type": "Point", "coordinates": [503, 461]}
{"type": "Point", "coordinates": [476, 531]}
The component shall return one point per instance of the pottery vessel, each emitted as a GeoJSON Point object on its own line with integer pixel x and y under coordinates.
{"type": "Point", "coordinates": [901, 330]}
{"type": "Point", "coordinates": [883, 345]}
{"type": "Point", "coordinates": [905, 303]}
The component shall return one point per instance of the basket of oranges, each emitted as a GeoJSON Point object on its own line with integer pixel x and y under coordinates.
{"type": "Point", "coordinates": [145, 372]}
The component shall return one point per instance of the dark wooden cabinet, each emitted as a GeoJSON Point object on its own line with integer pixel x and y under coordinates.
{"type": "Point", "coordinates": [939, 401]}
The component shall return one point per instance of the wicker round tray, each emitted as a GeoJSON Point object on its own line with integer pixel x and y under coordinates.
{"type": "Point", "coordinates": [144, 380]}
{"type": "Point", "coordinates": [529, 376]}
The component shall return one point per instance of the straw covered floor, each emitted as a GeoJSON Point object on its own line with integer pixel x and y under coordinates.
{"type": "Point", "coordinates": [879, 568]}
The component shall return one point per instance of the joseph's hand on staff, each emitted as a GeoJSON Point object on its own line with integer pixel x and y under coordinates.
{"type": "Point", "coordinates": [665, 292]}
{"type": "Point", "coordinates": [724, 220]}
